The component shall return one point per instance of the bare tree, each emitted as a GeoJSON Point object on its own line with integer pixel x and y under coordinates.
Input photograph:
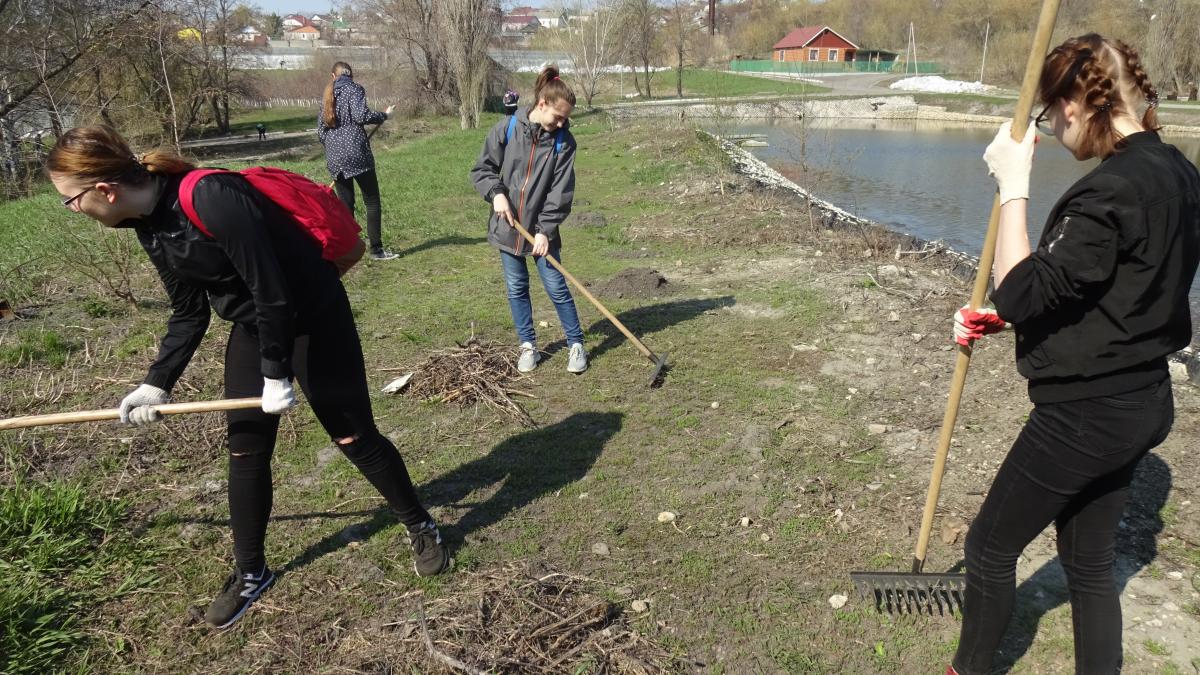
{"type": "Point", "coordinates": [679, 34]}
{"type": "Point", "coordinates": [414, 27]}
{"type": "Point", "coordinates": [468, 27]}
{"type": "Point", "coordinates": [641, 20]}
{"type": "Point", "coordinates": [592, 43]}
{"type": "Point", "coordinates": [1171, 53]}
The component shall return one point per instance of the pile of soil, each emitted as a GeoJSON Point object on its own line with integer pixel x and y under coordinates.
{"type": "Point", "coordinates": [634, 282]}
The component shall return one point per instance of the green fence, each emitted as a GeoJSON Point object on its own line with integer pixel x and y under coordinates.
{"type": "Point", "coordinates": [823, 67]}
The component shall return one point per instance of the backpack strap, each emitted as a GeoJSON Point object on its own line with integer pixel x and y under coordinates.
{"type": "Point", "coordinates": [186, 188]}
{"type": "Point", "coordinates": [512, 125]}
{"type": "Point", "coordinates": [559, 137]}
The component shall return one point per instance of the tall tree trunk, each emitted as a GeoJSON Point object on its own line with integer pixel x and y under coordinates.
{"type": "Point", "coordinates": [637, 84]}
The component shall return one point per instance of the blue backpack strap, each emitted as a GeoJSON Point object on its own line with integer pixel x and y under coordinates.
{"type": "Point", "coordinates": [512, 124]}
{"type": "Point", "coordinates": [558, 140]}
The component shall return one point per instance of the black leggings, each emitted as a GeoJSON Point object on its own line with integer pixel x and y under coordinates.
{"type": "Point", "coordinates": [328, 362]}
{"type": "Point", "coordinates": [369, 184]}
{"type": "Point", "coordinates": [1071, 465]}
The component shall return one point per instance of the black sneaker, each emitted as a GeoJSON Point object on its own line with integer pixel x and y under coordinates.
{"type": "Point", "coordinates": [384, 254]}
{"type": "Point", "coordinates": [240, 591]}
{"type": "Point", "coordinates": [430, 556]}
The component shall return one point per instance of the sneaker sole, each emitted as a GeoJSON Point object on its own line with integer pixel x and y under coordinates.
{"type": "Point", "coordinates": [261, 589]}
{"type": "Point", "coordinates": [572, 370]}
{"type": "Point", "coordinates": [529, 369]}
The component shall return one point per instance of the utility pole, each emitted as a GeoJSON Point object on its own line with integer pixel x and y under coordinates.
{"type": "Point", "coordinates": [985, 40]}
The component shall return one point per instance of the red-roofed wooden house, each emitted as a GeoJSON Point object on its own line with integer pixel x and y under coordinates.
{"type": "Point", "coordinates": [814, 43]}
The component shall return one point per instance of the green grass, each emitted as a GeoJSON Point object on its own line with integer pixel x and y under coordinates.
{"type": "Point", "coordinates": [1156, 648]}
{"type": "Point", "coordinates": [696, 83]}
{"type": "Point", "coordinates": [41, 347]}
{"type": "Point", "coordinates": [278, 120]}
{"type": "Point", "coordinates": [609, 454]}
{"type": "Point", "coordinates": [56, 570]}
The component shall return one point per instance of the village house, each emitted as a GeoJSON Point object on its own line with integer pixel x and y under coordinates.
{"type": "Point", "coordinates": [305, 33]}
{"type": "Point", "coordinates": [294, 21]}
{"type": "Point", "coordinates": [814, 44]}
{"type": "Point", "coordinates": [520, 23]}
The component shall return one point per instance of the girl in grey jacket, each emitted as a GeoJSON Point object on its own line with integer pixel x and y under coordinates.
{"type": "Point", "coordinates": [527, 172]}
{"type": "Point", "coordinates": [344, 112]}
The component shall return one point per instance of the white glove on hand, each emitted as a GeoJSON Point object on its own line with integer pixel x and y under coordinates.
{"type": "Point", "coordinates": [277, 396]}
{"type": "Point", "coordinates": [1010, 162]}
{"type": "Point", "coordinates": [135, 408]}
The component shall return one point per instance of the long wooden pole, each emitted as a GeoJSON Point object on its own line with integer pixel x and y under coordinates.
{"type": "Point", "coordinates": [1033, 72]}
{"type": "Point", "coordinates": [591, 298]}
{"type": "Point", "coordinates": [115, 414]}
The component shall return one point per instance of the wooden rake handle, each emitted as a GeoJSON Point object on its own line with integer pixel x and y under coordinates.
{"type": "Point", "coordinates": [1033, 73]}
{"type": "Point", "coordinates": [115, 414]}
{"type": "Point", "coordinates": [591, 298]}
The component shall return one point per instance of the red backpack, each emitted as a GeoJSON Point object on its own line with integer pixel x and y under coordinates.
{"type": "Point", "coordinates": [315, 208]}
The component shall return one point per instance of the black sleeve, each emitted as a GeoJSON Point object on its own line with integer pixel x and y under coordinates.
{"type": "Point", "coordinates": [236, 215]}
{"type": "Point", "coordinates": [486, 174]}
{"type": "Point", "coordinates": [186, 326]}
{"type": "Point", "coordinates": [1078, 256]}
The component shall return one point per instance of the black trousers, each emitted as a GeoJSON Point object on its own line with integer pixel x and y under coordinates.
{"type": "Point", "coordinates": [328, 363]}
{"type": "Point", "coordinates": [1071, 465]}
{"type": "Point", "coordinates": [369, 184]}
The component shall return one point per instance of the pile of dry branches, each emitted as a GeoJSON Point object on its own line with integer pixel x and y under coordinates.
{"type": "Point", "coordinates": [473, 373]}
{"type": "Point", "coordinates": [519, 621]}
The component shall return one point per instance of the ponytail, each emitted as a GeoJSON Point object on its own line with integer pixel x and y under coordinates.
{"type": "Point", "coordinates": [550, 87]}
{"type": "Point", "coordinates": [329, 107]}
{"type": "Point", "coordinates": [98, 153]}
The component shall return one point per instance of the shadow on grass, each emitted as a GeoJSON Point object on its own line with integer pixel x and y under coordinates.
{"type": "Point", "coordinates": [524, 467]}
{"type": "Point", "coordinates": [643, 320]}
{"type": "Point", "coordinates": [452, 240]}
{"type": "Point", "coordinates": [1137, 546]}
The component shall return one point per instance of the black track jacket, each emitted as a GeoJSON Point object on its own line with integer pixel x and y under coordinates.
{"type": "Point", "coordinates": [259, 269]}
{"type": "Point", "coordinates": [1104, 298]}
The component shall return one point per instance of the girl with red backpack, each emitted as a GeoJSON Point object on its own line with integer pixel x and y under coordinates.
{"type": "Point", "coordinates": [257, 268]}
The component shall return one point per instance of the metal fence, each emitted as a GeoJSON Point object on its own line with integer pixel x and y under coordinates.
{"type": "Point", "coordinates": [826, 67]}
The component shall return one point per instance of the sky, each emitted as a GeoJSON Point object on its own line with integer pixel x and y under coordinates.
{"type": "Point", "coordinates": [285, 7]}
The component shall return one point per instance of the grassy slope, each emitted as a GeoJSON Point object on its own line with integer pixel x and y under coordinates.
{"type": "Point", "coordinates": [695, 83]}
{"type": "Point", "coordinates": [609, 456]}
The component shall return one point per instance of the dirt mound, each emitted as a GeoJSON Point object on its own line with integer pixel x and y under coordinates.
{"type": "Point", "coordinates": [634, 282]}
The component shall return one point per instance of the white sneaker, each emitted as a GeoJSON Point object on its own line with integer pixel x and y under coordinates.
{"type": "Point", "coordinates": [577, 361]}
{"type": "Point", "coordinates": [529, 357]}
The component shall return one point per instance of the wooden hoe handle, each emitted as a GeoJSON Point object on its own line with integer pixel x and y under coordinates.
{"type": "Point", "coordinates": [115, 414]}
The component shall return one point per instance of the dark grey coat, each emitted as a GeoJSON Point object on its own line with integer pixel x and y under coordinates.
{"type": "Point", "coordinates": [547, 189]}
{"type": "Point", "coordinates": [347, 152]}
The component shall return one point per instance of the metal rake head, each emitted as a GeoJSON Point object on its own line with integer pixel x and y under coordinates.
{"type": "Point", "coordinates": [911, 593]}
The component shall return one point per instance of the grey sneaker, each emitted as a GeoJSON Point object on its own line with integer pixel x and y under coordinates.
{"type": "Point", "coordinates": [430, 556]}
{"type": "Point", "coordinates": [577, 361]}
{"type": "Point", "coordinates": [241, 589]}
{"type": "Point", "coordinates": [529, 357]}
{"type": "Point", "coordinates": [384, 254]}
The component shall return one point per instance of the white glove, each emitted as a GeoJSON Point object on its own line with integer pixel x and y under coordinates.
{"type": "Point", "coordinates": [277, 395]}
{"type": "Point", "coordinates": [1010, 162]}
{"type": "Point", "coordinates": [135, 408]}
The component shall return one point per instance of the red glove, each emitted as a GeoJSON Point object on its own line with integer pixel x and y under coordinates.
{"type": "Point", "coordinates": [970, 325]}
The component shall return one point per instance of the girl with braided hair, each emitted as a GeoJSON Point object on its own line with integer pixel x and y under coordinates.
{"type": "Point", "coordinates": [1097, 307]}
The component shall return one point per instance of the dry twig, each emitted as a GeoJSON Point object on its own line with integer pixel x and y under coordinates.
{"type": "Point", "coordinates": [473, 373]}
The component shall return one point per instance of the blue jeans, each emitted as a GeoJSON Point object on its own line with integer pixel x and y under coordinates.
{"type": "Point", "coordinates": [516, 279]}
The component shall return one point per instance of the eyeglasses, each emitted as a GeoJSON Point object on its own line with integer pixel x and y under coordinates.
{"type": "Point", "coordinates": [70, 202]}
{"type": "Point", "coordinates": [1042, 121]}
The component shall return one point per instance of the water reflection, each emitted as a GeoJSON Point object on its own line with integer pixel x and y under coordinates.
{"type": "Point", "coordinates": [919, 177]}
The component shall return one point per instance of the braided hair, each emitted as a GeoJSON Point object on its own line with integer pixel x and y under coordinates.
{"type": "Point", "coordinates": [1106, 77]}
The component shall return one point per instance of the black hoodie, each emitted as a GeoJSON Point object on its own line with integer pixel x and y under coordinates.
{"type": "Point", "coordinates": [1104, 298]}
{"type": "Point", "coordinates": [259, 269]}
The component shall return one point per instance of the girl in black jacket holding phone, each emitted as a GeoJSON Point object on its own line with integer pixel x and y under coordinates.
{"type": "Point", "coordinates": [1097, 307]}
{"type": "Point", "coordinates": [290, 318]}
